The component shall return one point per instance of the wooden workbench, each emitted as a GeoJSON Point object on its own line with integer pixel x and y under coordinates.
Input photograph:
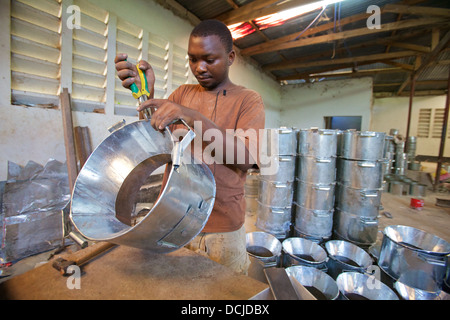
{"type": "Point", "coordinates": [130, 273]}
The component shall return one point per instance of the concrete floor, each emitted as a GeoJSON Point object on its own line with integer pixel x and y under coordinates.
{"type": "Point", "coordinates": [430, 218]}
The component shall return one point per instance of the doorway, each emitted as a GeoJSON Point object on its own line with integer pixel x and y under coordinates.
{"type": "Point", "coordinates": [343, 122]}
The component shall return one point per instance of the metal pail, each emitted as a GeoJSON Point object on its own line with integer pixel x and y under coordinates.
{"type": "Point", "coordinates": [300, 251]}
{"type": "Point", "coordinates": [362, 145]}
{"type": "Point", "coordinates": [264, 251]}
{"type": "Point", "coordinates": [358, 286]}
{"type": "Point", "coordinates": [317, 282]}
{"type": "Point", "coordinates": [106, 189]}
{"type": "Point", "coordinates": [274, 220]}
{"type": "Point", "coordinates": [345, 256]}
{"type": "Point", "coordinates": [320, 143]}
{"type": "Point", "coordinates": [315, 196]}
{"type": "Point", "coordinates": [316, 170]}
{"type": "Point", "coordinates": [315, 223]}
{"type": "Point", "coordinates": [405, 248]}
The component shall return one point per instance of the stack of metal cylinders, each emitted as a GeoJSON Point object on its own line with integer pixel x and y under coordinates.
{"type": "Point", "coordinates": [401, 158]}
{"type": "Point", "coordinates": [315, 184]}
{"type": "Point", "coordinates": [360, 167]}
{"type": "Point", "coordinates": [277, 169]}
{"type": "Point", "coordinates": [251, 192]}
{"type": "Point", "coordinates": [389, 154]}
{"type": "Point", "coordinates": [411, 146]}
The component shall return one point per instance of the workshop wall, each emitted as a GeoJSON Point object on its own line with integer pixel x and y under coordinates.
{"type": "Point", "coordinates": [392, 112]}
{"type": "Point", "coordinates": [306, 105]}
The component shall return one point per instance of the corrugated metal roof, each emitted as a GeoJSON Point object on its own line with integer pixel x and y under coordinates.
{"type": "Point", "coordinates": [349, 51]}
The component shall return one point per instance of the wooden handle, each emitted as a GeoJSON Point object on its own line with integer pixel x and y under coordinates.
{"type": "Point", "coordinates": [82, 256]}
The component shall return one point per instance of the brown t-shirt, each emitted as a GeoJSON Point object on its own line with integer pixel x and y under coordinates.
{"type": "Point", "coordinates": [237, 108]}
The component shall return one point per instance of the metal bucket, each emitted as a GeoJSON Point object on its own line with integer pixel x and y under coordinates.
{"type": "Point", "coordinates": [278, 168]}
{"type": "Point", "coordinates": [360, 174]}
{"type": "Point", "coordinates": [106, 189]}
{"type": "Point", "coordinates": [362, 202]}
{"type": "Point", "coordinates": [414, 165]}
{"type": "Point", "coordinates": [274, 220]}
{"type": "Point", "coordinates": [397, 188]}
{"type": "Point", "coordinates": [320, 143]}
{"type": "Point", "coordinates": [317, 282]}
{"type": "Point", "coordinates": [276, 194]}
{"type": "Point", "coordinates": [300, 251]}
{"type": "Point", "coordinates": [418, 190]}
{"type": "Point", "coordinates": [251, 205]}
{"type": "Point", "coordinates": [315, 196]}
{"type": "Point", "coordinates": [405, 248]}
{"type": "Point", "coordinates": [314, 223]}
{"type": "Point", "coordinates": [264, 251]}
{"type": "Point", "coordinates": [251, 185]}
{"type": "Point", "coordinates": [417, 285]}
{"type": "Point", "coordinates": [316, 170]}
{"type": "Point", "coordinates": [345, 256]}
{"type": "Point", "coordinates": [279, 141]}
{"type": "Point", "coordinates": [358, 286]}
{"type": "Point", "coordinates": [356, 229]}
{"type": "Point", "coordinates": [362, 145]}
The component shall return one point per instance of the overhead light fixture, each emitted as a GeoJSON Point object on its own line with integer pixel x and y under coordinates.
{"type": "Point", "coordinates": [242, 29]}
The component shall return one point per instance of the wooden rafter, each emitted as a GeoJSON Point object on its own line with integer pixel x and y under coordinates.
{"type": "Point", "coordinates": [353, 73]}
{"type": "Point", "coordinates": [366, 58]}
{"type": "Point", "coordinates": [413, 23]}
{"type": "Point", "coordinates": [258, 9]}
{"type": "Point", "coordinates": [310, 32]}
{"type": "Point", "coordinates": [427, 60]}
{"type": "Point", "coordinates": [331, 53]}
{"type": "Point", "coordinates": [414, 10]}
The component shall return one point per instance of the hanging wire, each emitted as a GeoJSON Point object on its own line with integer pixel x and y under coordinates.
{"type": "Point", "coordinates": [334, 30]}
{"type": "Point", "coordinates": [312, 22]}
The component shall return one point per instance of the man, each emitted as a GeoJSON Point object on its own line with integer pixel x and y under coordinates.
{"type": "Point", "coordinates": [215, 103]}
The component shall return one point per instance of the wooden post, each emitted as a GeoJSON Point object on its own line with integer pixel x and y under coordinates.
{"type": "Point", "coordinates": [411, 97]}
{"type": "Point", "coordinates": [69, 142]}
{"type": "Point", "coordinates": [443, 134]}
{"type": "Point", "coordinates": [82, 144]}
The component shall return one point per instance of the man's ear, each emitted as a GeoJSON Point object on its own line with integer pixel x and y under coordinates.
{"type": "Point", "coordinates": [231, 57]}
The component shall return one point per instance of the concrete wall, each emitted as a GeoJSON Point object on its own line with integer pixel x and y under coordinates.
{"type": "Point", "coordinates": [393, 113]}
{"type": "Point", "coordinates": [306, 105]}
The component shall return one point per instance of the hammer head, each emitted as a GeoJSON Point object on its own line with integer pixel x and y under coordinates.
{"type": "Point", "coordinates": [61, 265]}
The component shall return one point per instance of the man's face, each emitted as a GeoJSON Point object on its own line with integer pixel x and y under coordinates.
{"type": "Point", "coordinates": [209, 60]}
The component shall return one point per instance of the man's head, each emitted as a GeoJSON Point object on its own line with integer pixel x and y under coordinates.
{"type": "Point", "coordinates": [211, 53]}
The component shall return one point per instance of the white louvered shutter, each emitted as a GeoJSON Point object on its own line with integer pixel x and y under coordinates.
{"type": "Point", "coordinates": [180, 67]}
{"type": "Point", "coordinates": [35, 52]}
{"type": "Point", "coordinates": [129, 41]}
{"type": "Point", "coordinates": [158, 57]}
{"type": "Point", "coordinates": [89, 59]}
{"type": "Point", "coordinates": [424, 122]}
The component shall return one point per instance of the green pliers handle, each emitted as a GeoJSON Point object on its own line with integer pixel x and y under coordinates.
{"type": "Point", "coordinates": [143, 93]}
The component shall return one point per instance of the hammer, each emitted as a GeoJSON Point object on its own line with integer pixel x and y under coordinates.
{"type": "Point", "coordinates": [81, 257]}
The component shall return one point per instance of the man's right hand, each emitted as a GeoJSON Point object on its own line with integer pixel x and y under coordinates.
{"type": "Point", "coordinates": [128, 73]}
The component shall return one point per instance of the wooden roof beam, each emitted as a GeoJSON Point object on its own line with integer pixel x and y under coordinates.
{"type": "Point", "coordinates": [417, 10]}
{"type": "Point", "coordinates": [427, 60]}
{"type": "Point", "coordinates": [270, 47]}
{"type": "Point", "coordinates": [357, 73]}
{"type": "Point", "coordinates": [366, 58]}
{"type": "Point", "coordinates": [258, 9]}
